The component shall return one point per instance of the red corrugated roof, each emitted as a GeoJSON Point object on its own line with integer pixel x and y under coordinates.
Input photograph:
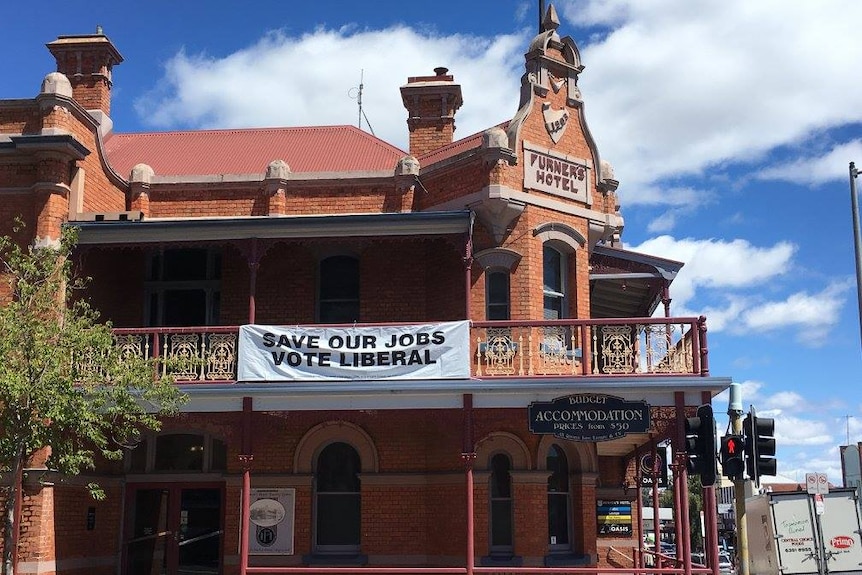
{"type": "Point", "coordinates": [249, 151]}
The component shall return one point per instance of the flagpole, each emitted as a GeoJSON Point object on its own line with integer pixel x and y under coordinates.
{"type": "Point", "coordinates": [857, 241]}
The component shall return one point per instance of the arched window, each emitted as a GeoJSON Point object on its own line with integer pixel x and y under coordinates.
{"type": "Point", "coordinates": [497, 294]}
{"type": "Point", "coordinates": [339, 290]}
{"type": "Point", "coordinates": [338, 501]}
{"type": "Point", "coordinates": [559, 512]}
{"type": "Point", "coordinates": [554, 282]}
{"type": "Point", "coordinates": [501, 505]}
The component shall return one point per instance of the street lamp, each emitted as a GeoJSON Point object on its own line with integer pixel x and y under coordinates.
{"type": "Point", "coordinates": [857, 242]}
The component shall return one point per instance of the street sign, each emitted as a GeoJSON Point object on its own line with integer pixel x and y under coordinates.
{"type": "Point", "coordinates": [816, 483]}
{"type": "Point", "coordinates": [819, 506]}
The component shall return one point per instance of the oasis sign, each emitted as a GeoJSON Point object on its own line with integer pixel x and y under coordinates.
{"type": "Point", "coordinates": [427, 351]}
{"type": "Point", "coordinates": [589, 417]}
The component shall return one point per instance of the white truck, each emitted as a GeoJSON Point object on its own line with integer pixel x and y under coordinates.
{"type": "Point", "coordinates": [790, 533]}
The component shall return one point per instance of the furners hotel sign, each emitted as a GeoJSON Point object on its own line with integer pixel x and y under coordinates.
{"type": "Point", "coordinates": [556, 173]}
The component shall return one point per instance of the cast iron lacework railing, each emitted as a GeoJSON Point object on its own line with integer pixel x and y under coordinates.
{"type": "Point", "coordinates": [205, 354]}
{"type": "Point", "coordinates": [630, 346]}
{"type": "Point", "coordinates": [602, 347]}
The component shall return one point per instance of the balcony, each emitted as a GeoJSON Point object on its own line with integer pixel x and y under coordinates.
{"type": "Point", "coordinates": [607, 348]}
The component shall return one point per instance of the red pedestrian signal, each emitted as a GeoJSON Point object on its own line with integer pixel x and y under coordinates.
{"type": "Point", "coordinates": [733, 456]}
{"type": "Point", "coordinates": [734, 445]}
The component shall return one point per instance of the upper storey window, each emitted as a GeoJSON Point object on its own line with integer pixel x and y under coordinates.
{"type": "Point", "coordinates": [339, 290]}
{"type": "Point", "coordinates": [497, 294]}
{"type": "Point", "coordinates": [554, 283]}
{"type": "Point", "coordinates": [184, 287]}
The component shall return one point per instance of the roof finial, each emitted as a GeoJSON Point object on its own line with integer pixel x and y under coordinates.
{"type": "Point", "coordinates": [551, 20]}
{"type": "Point", "coordinates": [99, 30]}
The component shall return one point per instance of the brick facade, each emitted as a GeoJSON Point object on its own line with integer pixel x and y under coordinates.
{"type": "Point", "coordinates": [410, 442]}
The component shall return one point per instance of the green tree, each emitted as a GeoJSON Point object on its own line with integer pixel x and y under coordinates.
{"type": "Point", "coordinates": [65, 386]}
{"type": "Point", "coordinates": [695, 506]}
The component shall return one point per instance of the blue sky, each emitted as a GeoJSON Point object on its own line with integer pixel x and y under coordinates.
{"type": "Point", "coordinates": [730, 125]}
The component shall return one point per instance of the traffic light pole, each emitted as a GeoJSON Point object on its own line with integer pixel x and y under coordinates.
{"type": "Point", "coordinates": [734, 410]}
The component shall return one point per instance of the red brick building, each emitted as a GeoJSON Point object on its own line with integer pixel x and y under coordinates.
{"type": "Point", "coordinates": [447, 359]}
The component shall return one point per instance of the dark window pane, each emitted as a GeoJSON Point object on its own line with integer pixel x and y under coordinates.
{"type": "Point", "coordinates": [553, 307]}
{"type": "Point", "coordinates": [215, 307]}
{"type": "Point", "coordinates": [154, 309]}
{"type": "Point", "coordinates": [501, 483]}
{"type": "Point", "coordinates": [339, 290]}
{"type": "Point", "coordinates": [218, 458]}
{"type": "Point", "coordinates": [552, 270]}
{"type": "Point", "coordinates": [185, 307]}
{"type": "Point", "coordinates": [338, 469]}
{"type": "Point", "coordinates": [184, 265]}
{"type": "Point", "coordinates": [179, 452]}
{"type": "Point", "coordinates": [501, 523]}
{"type": "Point", "coordinates": [339, 311]}
{"type": "Point", "coordinates": [339, 278]}
{"type": "Point", "coordinates": [558, 466]}
{"type": "Point", "coordinates": [558, 518]}
{"type": "Point", "coordinates": [498, 295]}
{"type": "Point", "coordinates": [338, 519]}
{"type": "Point", "coordinates": [138, 458]}
{"type": "Point", "coordinates": [338, 497]}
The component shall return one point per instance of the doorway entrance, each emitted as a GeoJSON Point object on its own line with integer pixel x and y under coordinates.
{"type": "Point", "coordinates": [174, 530]}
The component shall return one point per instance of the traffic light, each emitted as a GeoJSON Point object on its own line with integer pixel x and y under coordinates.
{"type": "Point", "coordinates": [759, 446]}
{"type": "Point", "coordinates": [700, 445]}
{"type": "Point", "coordinates": [733, 456]}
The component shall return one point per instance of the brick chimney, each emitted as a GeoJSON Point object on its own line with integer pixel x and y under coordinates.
{"type": "Point", "coordinates": [431, 103]}
{"type": "Point", "coordinates": [87, 61]}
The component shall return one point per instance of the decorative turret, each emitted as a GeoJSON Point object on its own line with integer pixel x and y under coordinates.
{"type": "Point", "coordinates": [431, 103]}
{"type": "Point", "coordinates": [87, 61]}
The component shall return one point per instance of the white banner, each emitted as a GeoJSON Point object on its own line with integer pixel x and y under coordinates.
{"type": "Point", "coordinates": [428, 351]}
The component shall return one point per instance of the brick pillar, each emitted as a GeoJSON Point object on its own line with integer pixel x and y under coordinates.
{"type": "Point", "coordinates": [37, 545]}
{"type": "Point", "coordinates": [481, 525]}
{"type": "Point", "coordinates": [584, 514]}
{"type": "Point", "coordinates": [531, 515]}
{"type": "Point", "coordinates": [275, 187]}
{"type": "Point", "coordinates": [139, 188]}
{"type": "Point", "coordinates": [406, 180]}
{"type": "Point", "coordinates": [51, 193]}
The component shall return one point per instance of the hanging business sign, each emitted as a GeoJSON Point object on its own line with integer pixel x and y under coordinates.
{"type": "Point", "coordinates": [589, 417]}
{"type": "Point", "coordinates": [653, 468]}
{"type": "Point", "coordinates": [429, 351]}
{"type": "Point", "coordinates": [614, 518]}
{"type": "Point", "coordinates": [271, 521]}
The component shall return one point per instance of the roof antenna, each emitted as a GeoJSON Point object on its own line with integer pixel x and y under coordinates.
{"type": "Point", "coordinates": [541, 14]}
{"type": "Point", "coordinates": [357, 93]}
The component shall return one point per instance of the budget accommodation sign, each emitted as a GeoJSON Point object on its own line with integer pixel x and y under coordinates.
{"type": "Point", "coordinates": [425, 351]}
{"type": "Point", "coordinates": [589, 417]}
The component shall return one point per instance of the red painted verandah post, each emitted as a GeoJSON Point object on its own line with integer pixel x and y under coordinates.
{"type": "Point", "coordinates": [245, 458]}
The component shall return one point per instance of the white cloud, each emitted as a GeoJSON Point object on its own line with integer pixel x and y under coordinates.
{"type": "Point", "coordinates": [673, 88]}
{"type": "Point", "coordinates": [727, 74]}
{"type": "Point", "coordinates": [735, 266]}
{"type": "Point", "coordinates": [817, 313]}
{"type": "Point", "coordinates": [298, 81]}
{"type": "Point", "coordinates": [790, 430]}
{"type": "Point", "coordinates": [715, 263]}
{"type": "Point", "coordinates": [789, 400]}
{"type": "Point", "coordinates": [831, 166]}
